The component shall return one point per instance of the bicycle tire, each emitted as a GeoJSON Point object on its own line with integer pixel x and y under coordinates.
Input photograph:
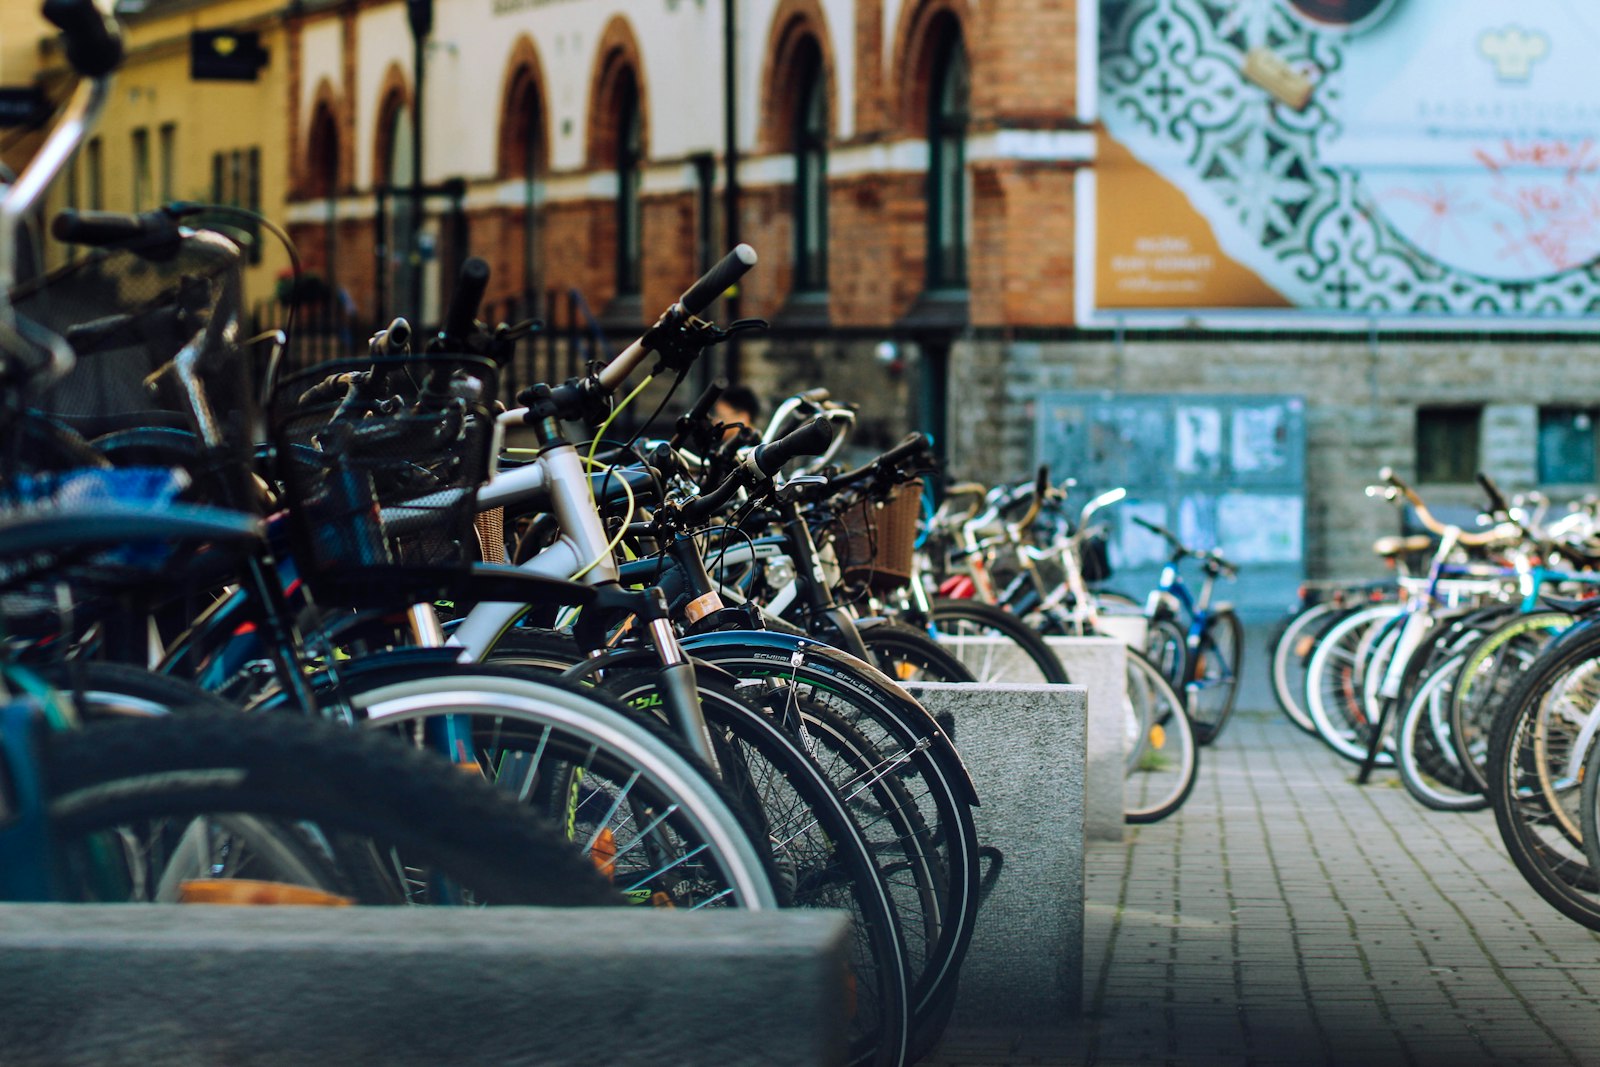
{"type": "Point", "coordinates": [1488, 676]}
{"type": "Point", "coordinates": [921, 900]}
{"type": "Point", "coordinates": [1029, 658]}
{"type": "Point", "coordinates": [600, 758]}
{"type": "Point", "coordinates": [1544, 729]}
{"type": "Point", "coordinates": [1211, 676]}
{"type": "Point", "coordinates": [1289, 653]}
{"type": "Point", "coordinates": [875, 706]}
{"type": "Point", "coordinates": [1424, 753]}
{"type": "Point", "coordinates": [908, 654]}
{"type": "Point", "coordinates": [908, 739]}
{"type": "Point", "coordinates": [1163, 778]}
{"type": "Point", "coordinates": [1164, 646]}
{"type": "Point", "coordinates": [820, 846]}
{"type": "Point", "coordinates": [1334, 683]}
{"type": "Point", "coordinates": [126, 780]}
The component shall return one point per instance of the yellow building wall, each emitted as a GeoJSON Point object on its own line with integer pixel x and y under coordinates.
{"type": "Point", "coordinates": [153, 90]}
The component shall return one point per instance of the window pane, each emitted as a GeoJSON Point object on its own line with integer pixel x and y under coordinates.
{"type": "Point", "coordinates": [96, 163]}
{"type": "Point", "coordinates": [1447, 444]}
{"type": "Point", "coordinates": [811, 181]}
{"type": "Point", "coordinates": [169, 161]}
{"type": "Point", "coordinates": [1566, 445]}
{"type": "Point", "coordinates": [947, 168]}
{"type": "Point", "coordinates": [141, 168]}
{"type": "Point", "coordinates": [629, 150]}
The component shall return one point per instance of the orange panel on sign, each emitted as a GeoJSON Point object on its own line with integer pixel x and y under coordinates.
{"type": "Point", "coordinates": [1154, 250]}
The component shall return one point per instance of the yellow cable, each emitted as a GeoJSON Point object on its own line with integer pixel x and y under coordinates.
{"type": "Point", "coordinates": [600, 434]}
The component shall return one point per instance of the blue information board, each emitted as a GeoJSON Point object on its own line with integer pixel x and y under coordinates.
{"type": "Point", "coordinates": [1220, 471]}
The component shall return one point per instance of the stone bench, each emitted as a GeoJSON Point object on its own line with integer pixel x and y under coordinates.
{"type": "Point", "coordinates": [1099, 664]}
{"type": "Point", "coordinates": [1025, 746]}
{"type": "Point", "coordinates": [181, 985]}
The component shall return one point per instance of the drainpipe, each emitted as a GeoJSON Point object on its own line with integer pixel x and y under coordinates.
{"type": "Point", "coordinates": [730, 193]}
{"type": "Point", "coordinates": [420, 14]}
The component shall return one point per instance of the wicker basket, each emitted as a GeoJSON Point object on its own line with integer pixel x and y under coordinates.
{"type": "Point", "coordinates": [879, 540]}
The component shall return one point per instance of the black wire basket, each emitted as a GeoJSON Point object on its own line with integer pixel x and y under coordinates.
{"type": "Point", "coordinates": [379, 462]}
{"type": "Point", "coordinates": [160, 408]}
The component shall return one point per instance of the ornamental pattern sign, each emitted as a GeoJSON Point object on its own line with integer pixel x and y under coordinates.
{"type": "Point", "coordinates": [1379, 156]}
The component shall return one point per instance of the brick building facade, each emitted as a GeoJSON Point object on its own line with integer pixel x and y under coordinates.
{"type": "Point", "coordinates": [944, 151]}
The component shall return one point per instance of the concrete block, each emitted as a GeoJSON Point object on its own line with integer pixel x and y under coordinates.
{"type": "Point", "coordinates": [1100, 665]}
{"type": "Point", "coordinates": [1025, 746]}
{"type": "Point", "coordinates": [100, 984]}
{"type": "Point", "coordinates": [1097, 663]}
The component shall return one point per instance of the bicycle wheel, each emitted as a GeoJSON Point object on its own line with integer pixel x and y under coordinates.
{"type": "Point", "coordinates": [1335, 679]}
{"type": "Point", "coordinates": [872, 705]}
{"type": "Point", "coordinates": [1424, 752]}
{"type": "Point", "coordinates": [905, 738]}
{"type": "Point", "coordinates": [995, 645]}
{"type": "Point", "coordinates": [866, 860]}
{"type": "Point", "coordinates": [162, 808]}
{"type": "Point", "coordinates": [1163, 775]}
{"type": "Point", "coordinates": [627, 796]}
{"type": "Point", "coordinates": [1537, 750]}
{"type": "Point", "coordinates": [1488, 675]}
{"type": "Point", "coordinates": [1590, 821]}
{"type": "Point", "coordinates": [908, 654]}
{"type": "Point", "coordinates": [1164, 646]}
{"type": "Point", "coordinates": [1291, 651]}
{"type": "Point", "coordinates": [1213, 676]}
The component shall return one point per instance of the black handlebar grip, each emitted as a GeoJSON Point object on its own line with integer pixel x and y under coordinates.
{"type": "Point", "coordinates": [1497, 500]}
{"type": "Point", "coordinates": [1156, 528]}
{"type": "Point", "coordinates": [912, 444]}
{"type": "Point", "coordinates": [811, 439]}
{"type": "Point", "coordinates": [100, 228]}
{"type": "Point", "coordinates": [94, 41]}
{"type": "Point", "coordinates": [705, 505]}
{"type": "Point", "coordinates": [702, 406]}
{"type": "Point", "coordinates": [714, 282]}
{"type": "Point", "coordinates": [1041, 482]}
{"type": "Point", "coordinates": [471, 283]}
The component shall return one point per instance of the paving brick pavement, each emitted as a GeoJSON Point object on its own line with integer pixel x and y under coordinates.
{"type": "Point", "coordinates": [1288, 916]}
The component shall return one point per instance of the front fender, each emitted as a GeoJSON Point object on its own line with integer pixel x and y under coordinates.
{"type": "Point", "coordinates": [869, 680]}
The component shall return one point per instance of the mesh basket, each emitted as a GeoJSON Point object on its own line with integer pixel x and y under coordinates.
{"type": "Point", "coordinates": [156, 334]}
{"type": "Point", "coordinates": [879, 540]}
{"type": "Point", "coordinates": [375, 491]}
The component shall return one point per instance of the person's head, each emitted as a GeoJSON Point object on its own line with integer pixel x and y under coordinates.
{"type": "Point", "coordinates": [736, 406]}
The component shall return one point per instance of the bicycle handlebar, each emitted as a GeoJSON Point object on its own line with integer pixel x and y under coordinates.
{"type": "Point", "coordinates": [460, 320]}
{"type": "Point", "coordinates": [710, 285]}
{"type": "Point", "coordinates": [1426, 517]}
{"type": "Point", "coordinates": [911, 446]}
{"type": "Point", "coordinates": [719, 279]}
{"type": "Point", "coordinates": [763, 462]}
{"type": "Point", "coordinates": [94, 41]}
{"type": "Point", "coordinates": [150, 234]}
{"type": "Point", "coordinates": [1497, 500]}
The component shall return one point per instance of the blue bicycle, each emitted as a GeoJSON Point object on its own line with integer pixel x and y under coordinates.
{"type": "Point", "coordinates": [1197, 644]}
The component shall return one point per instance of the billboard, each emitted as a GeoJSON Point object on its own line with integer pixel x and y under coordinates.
{"type": "Point", "coordinates": [1376, 156]}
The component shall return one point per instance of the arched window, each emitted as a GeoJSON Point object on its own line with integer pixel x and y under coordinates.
{"type": "Point", "coordinates": [947, 162]}
{"type": "Point", "coordinates": [810, 171]}
{"type": "Point", "coordinates": [322, 181]}
{"type": "Point", "coordinates": [630, 153]}
{"type": "Point", "coordinates": [524, 159]}
{"type": "Point", "coordinates": [322, 175]}
{"type": "Point", "coordinates": [400, 276]}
